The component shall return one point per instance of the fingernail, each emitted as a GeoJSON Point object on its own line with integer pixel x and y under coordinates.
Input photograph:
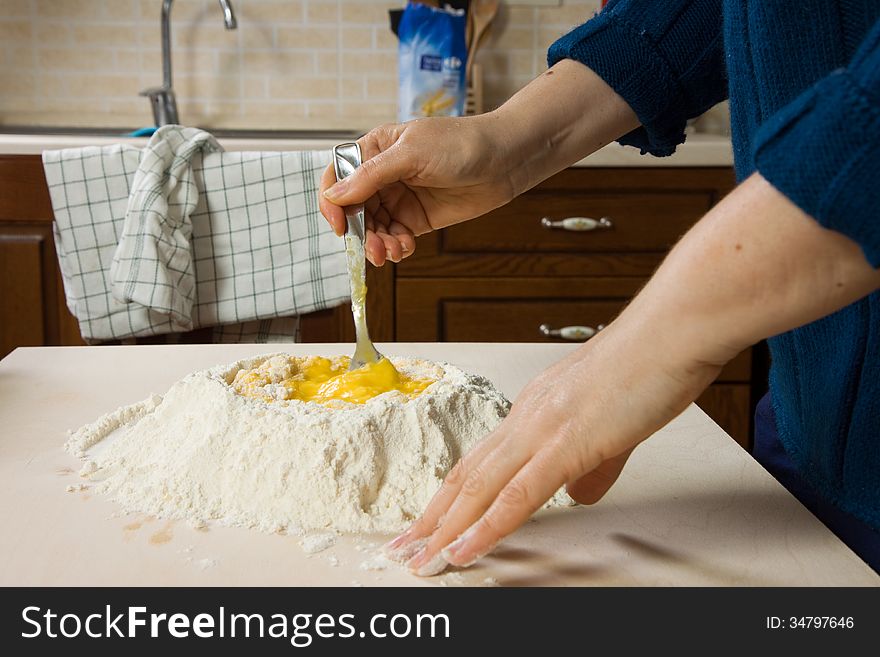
{"type": "Point", "coordinates": [422, 567]}
{"type": "Point", "coordinates": [454, 559]}
{"type": "Point", "coordinates": [454, 550]}
{"type": "Point", "coordinates": [398, 541]}
{"type": "Point", "coordinates": [460, 552]}
{"type": "Point", "coordinates": [418, 559]}
{"type": "Point", "coordinates": [405, 552]}
{"type": "Point", "coordinates": [404, 248]}
{"type": "Point", "coordinates": [336, 190]}
{"type": "Point", "coordinates": [388, 256]}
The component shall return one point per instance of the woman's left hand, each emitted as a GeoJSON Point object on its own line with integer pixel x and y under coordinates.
{"type": "Point", "coordinates": [574, 425]}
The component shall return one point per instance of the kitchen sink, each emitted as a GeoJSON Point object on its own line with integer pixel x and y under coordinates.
{"type": "Point", "coordinates": [220, 133]}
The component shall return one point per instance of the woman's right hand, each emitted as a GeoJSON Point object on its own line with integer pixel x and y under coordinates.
{"type": "Point", "coordinates": [420, 176]}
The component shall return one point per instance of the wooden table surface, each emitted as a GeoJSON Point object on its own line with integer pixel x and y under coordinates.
{"type": "Point", "coordinates": [691, 508]}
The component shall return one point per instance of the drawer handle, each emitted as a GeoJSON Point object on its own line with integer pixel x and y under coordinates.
{"type": "Point", "coordinates": [574, 333]}
{"type": "Point", "coordinates": [577, 224]}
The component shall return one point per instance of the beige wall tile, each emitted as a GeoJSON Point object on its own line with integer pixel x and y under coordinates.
{"type": "Point", "coordinates": [78, 9]}
{"type": "Point", "coordinates": [132, 107]}
{"type": "Point", "coordinates": [121, 10]}
{"type": "Point", "coordinates": [357, 38]}
{"type": "Point", "coordinates": [16, 84]}
{"type": "Point", "coordinates": [262, 11]}
{"type": "Point", "coordinates": [257, 35]}
{"type": "Point", "coordinates": [352, 88]}
{"type": "Point", "coordinates": [280, 111]}
{"type": "Point", "coordinates": [363, 11]}
{"type": "Point", "coordinates": [151, 62]}
{"type": "Point", "coordinates": [128, 60]}
{"type": "Point", "coordinates": [76, 58]}
{"type": "Point", "coordinates": [373, 62]}
{"type": "Point", "coordinates": [278, 62]}
{"type": "Point", "coordinates": [522, 16]}
{"type": "Point", "coordinates": [52, 34]}
{"type": "Point", "coordinates": [97, 36]}
{"type": "Point", "coordinates": [313, 37]}
{"type": "Point", "coordinates": [211, 35]}
{"type": "Point", "coordinates": [322, 12]}
{"type": "Point", "coordinates": [97, 85]}
{"type": "Point", "coordinates": [327, 63]}
{"type": "Point", "coordinates": [217, 112]}
{"type": "Point", "coordinates": [254, 87]}
{"type": "Point", "coordinates": [16, 105]}
{"type": "Point", "coordinates": [321, 110]}
{"type": "Point", "coordinates": [519, 38]}
{"type": "Point", "coordinates": [200, 61]}
{"type": "Point", "coordinates": [51, 85]}
{"type": "Point", "coordinates": [384, 38]}
{"type": "Point", "coordinates": [380, 110]}
{"type": "Point", "coordinates": [207, 87]}
{"type": "Point", "coordinates": [17, 8]}
{"type": "Point", "coordinates": [183, 12]}
{"type": "Point", "coordinates": [15, 31]}
{"type": "Point", "coordinates": [299, 88]}
{"type": "Point", "coordinates": [382, 88]}
{"type": "Point", "coordinates": [13, 58]}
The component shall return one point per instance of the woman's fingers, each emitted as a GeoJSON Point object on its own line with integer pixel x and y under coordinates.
{"type": "Point", "coordinates": [522, 495]}
{"type": "Point", "coordinates": [393, 249]}
{"type": "Point", "coordinates": [590, 488]}
{"type": "Point", "coordinates": [334, 214]}
{"type": "Point", "coordinates": [405, 238]}
{"type": "Point", "coordinates": [480, 487]}
{"type": "Point", "coordinates": [425, 525]}
{"type": "Point", "coordinates": [372, 175]}
{"type": "Point", "coordinates": [374, 248]}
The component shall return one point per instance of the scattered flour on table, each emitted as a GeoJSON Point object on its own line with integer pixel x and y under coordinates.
{"type": "Point", "coordinates": [377, 562]}
{"type": "Point", "coordinates": [203, 452]}
{"type": "Point", "coordinates": [317, 542]}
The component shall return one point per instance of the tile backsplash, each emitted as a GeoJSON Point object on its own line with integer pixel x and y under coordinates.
{"type": "Point", "coordinates": [290, 63]}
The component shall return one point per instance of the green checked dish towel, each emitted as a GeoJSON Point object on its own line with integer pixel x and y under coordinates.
{"type": "Point", "coordinates": [180, 235]}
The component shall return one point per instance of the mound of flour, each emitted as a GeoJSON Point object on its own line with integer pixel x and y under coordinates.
{"type": "Point", "coordinates": [203, 452]}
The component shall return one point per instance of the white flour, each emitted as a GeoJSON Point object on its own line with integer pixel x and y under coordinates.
{"type": "Point", "coordinates": [202, 452]}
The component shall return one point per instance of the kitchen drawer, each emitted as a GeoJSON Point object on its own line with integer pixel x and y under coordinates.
{"type": "Point", "coordinates": [649, 210]}
{"type": "Point", "coordinates": [512, 309]}
{"type": "Point", "coordinates": [511, 320]}
{"type": "Point", "coordinates": [638, 222]}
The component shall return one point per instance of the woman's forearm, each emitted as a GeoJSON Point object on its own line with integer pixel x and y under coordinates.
{"type": "Point", "coordinates": [557, 119]}
{"type": "Point", "coordinates": [754, 267]}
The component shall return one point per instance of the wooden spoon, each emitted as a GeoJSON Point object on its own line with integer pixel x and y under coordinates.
{"type": "Point", "coordinates": [482, 11]}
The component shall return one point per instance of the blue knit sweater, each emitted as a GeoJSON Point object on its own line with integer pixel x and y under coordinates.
{"type": "Point", "coordinates": [803, 78]}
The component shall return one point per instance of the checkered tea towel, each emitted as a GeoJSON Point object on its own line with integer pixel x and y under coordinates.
{"type": "Point", "coordinates": [180, 235]}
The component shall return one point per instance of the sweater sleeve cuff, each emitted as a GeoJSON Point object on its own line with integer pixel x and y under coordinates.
{"type": "Point", "coordinates": [820, 151]}
{"type": "Point", "coordinates": [631, 66]}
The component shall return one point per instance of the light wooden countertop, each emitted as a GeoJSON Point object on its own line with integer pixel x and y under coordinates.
{"type": "Point", "coordinates": [700, 150]}
{"type": "Point", "coordinates": [691, 508]}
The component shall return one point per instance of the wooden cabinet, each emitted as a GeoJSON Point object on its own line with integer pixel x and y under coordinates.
{"type": "Point", "coordinates": [32, 307]}
{"type": "Point", "coordinates": [496, 279]}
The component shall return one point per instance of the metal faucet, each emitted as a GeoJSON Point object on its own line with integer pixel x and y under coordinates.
{"type": "Point", "coordinates": [162, 98]}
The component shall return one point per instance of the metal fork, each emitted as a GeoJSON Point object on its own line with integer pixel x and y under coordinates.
{"type": "Point", "coordinates": [347, 158]}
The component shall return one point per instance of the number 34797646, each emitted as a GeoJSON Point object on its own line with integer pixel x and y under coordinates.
{"type": "Point", "coordinates": [809, 622]}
